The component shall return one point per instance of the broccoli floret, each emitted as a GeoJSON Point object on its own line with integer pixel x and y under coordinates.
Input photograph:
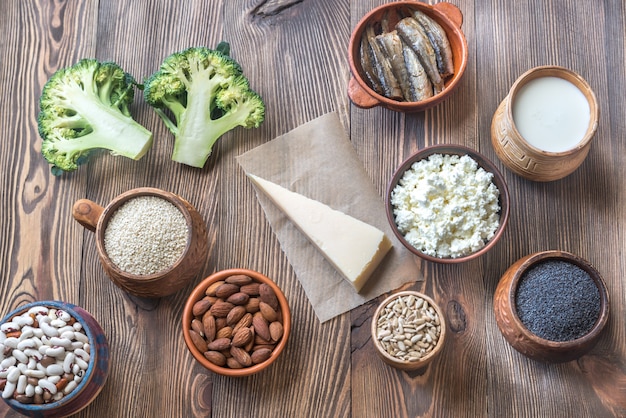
{"type": "Point", "coordinates": [86, 107]}
{"type": "Point", "coordinates": [207, 94]}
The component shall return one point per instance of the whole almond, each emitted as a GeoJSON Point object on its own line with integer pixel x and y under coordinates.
{"type": "Point", "coordinates": [258, 340]}
{"type": "Point", "coordinates": [241, 356]}
{"type": "Point", "coordinates": [235, 315]}
{"type": "Point", "coordinates": [260, 355]}
{"type": "Point", "coordinates": [239, 279]}
{"type": "Point", "coordinates": [268, 312]}
{"type": "Point", "coordinates": [200, 307]}
{"type": "Point", "coordinates": [210, 291]}
{"type": "Point", "coordinates": [268, 296]}
{"type": "Point", "coordinates": [276, 330]}
{"type": "Point", "coordinates": [209, 326]}
{"type": "Point", "coordinates": [261, 327]}
{"type": "Point", "coordinates": [218, 344]}
{"type": "Point", "coordinates": [226, 332]}
{"type": "Point", "coordinates": [250, 344]}
{"type": "Point", "coordinates": [251, 289]}
{"type": "Point", "coordinates": [196, 325]}
{"type": "Point", "coordinates": [233, 364]}
{"type": "Point", "coordinates": [225, 290]}
{"type": "Point", "coordinates": [253, 305]}
{"type": "Point", "coordinates": [215, 357]}
{"type": "Point", "coordinates": [262, 346]}
{"type": "Point", "coordinates": [242, 337]}
{"type": "Point", "coordinates": [244, 322]}
{"type": "Point", "coordinates": [221, 309]}
{"type": "Point", "coordinates": [220, 323]}
{"type": "Point", "coordinates": [238, 298]}
{"type": "Point", "coordinates": [198, 341]}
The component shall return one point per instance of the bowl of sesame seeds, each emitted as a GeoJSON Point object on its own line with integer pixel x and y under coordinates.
{"type": "Point", "coordinates": [151, 242]}
{"type": "Point", "coordinates": [551, 306]}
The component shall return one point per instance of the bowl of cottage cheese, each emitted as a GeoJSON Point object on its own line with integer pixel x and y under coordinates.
{"type": "Point", "coordinates": [447, 203]}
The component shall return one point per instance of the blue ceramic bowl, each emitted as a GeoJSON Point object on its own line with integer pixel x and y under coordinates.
{"type": "Point", "coordinates": [96, 373]}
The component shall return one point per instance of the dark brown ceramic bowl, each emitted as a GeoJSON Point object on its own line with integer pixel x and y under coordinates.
{"type": "Point", "coordinates": [447, 15]}
{"type": "Point", "coordinates": [199, 293]}
{"type": "Point", "coordinates": [449, 149]}
{"type": "Point", "coordinates": [518, 335]}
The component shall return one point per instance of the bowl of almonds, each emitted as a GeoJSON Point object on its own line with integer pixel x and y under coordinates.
{"type": "Point", "coordinates": [236, 322]}
{"type": "Point", "coordinates": [408, 330]}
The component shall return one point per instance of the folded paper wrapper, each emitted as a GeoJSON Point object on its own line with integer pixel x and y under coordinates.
{"type": "Point", "coordinates": [317, 160]}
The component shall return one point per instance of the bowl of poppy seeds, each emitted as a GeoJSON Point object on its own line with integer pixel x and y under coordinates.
{"type": "Point", "coordinates": [551, 306]}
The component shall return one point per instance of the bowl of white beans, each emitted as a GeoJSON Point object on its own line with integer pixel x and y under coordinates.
{"type": "Point", "coordinates": [54, 359]}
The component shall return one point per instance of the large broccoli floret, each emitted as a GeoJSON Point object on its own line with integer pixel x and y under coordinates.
{"type": "Point", "coordinates": [85, 107]}
{"type": "Point", "coordinates": [207, 94]}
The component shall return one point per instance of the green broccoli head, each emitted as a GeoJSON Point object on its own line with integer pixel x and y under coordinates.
{"type": "Point", "coordinates": [201, 94]}
{"type": "Point", "coordinates": [86, 107]}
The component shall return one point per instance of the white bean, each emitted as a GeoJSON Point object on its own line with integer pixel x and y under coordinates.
{"type": "Point", "coordinates": [77, 326]}
{"type": "Point", "coordinates": [55, 351]}
{"type": "Point", "coordinates": [81, 363]}
{"type": "Point", "coordinates": [81, 354]}
{"type": "Point", "coordinates": [68, 334]}
{"type": "Point", "coordinates": [45, 384]}
{"type": "Point", "coordinates": [11, 342]}
{"type": "Point", "coordinates": [54, 370]}
{"type": "Point", "coordinates": [9, 327]}
{"type": "Point", "coordinates": [9, 388]}
{"type": "Point", "coordinates": [27, 332]}
{"type": "Point", "coordinates": [23, 320]}
{"type": "Point", "coordinates": [63, 315]}
{"type": "Point", "coordinates": [36, 373]}
{"type": "Point", "coordinates": [8, 362]}
{"type": "Point", "coordinates": [58, 323]}
{"type": "Point", "coordinates": [70, 387]}
{"type": "Point", "coordinates": [27, 343]}
{"type": "Point", "coordinates": [21, 384]}
{"type": "Point", "coordinates": [13, 374]}
{"type": "Point", "coordinates": [38, 390]}
{"type": "Point", "coordinates": [49, 330]}
{"type": "Point", "coordinates": [38, 310]}
{"type": "Point", "coordinates": [60, 342]}
{"type": "Point", "coordinates": [20, 356]}
{"type": "Point", "coordinates": [29, 391]}
{"type": "Point", "coordinates": [68, 362]}
{"type": "Point", "coordinates": [80, 336]}
{"type": "Point", "coordinates": [54, 379]}
{"type": "Point", "coordinates": [4, 373]}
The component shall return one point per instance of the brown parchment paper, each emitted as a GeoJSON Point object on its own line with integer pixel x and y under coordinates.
{"type": "Point", "coordinates": [317, 160]}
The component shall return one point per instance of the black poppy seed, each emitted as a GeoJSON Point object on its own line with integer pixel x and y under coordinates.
{"type": "Point", "coordinates": [557, 301]}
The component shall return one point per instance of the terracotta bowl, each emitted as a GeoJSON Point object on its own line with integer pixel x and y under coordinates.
{"type": "Point", "coordinates": [95, 218]}
{"type": "Point", "coordinates": [96, 373]}
{"type": "Point", "coordinates": [449, 149]}
{"type": "Point", "coordinates": [396, 361]}
{"type": "Point", "coordinates": [447, 15]}
{"type": "Point", "coordinates": [205, 292]}
{"type": "Point", "coordinates": [523, 158]}
{"type": "Point", "coordinates": [520, 337]}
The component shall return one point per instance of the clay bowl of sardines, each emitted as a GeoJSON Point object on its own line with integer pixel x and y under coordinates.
{"type": "Point", "coordinates": [551, 306]}
{"type": "Point", "coordinates": [407, 56]}
{"type": "Point", "coordinates": [447, 204]}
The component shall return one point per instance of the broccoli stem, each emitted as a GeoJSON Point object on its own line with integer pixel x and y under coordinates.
{"type": "Point", "coordinates": [111, 129]}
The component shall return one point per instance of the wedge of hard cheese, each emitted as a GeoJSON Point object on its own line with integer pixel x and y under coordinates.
{"type": "Point", "coordinates": [353, 247]}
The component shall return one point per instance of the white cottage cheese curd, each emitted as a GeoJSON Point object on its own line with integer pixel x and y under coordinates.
{"type": "Point", "coordinates": [446, 206]}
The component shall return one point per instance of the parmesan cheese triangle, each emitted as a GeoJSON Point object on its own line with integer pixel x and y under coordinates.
{"type": "Point", "coordinates": [353, 247]}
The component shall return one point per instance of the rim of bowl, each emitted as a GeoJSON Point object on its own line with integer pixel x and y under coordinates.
{"type": "Point", "coordinates": [123, 198]}
{"type": "Point", "coordinates": [486, 164]}
{"type": "Point", "coordinates": [440, 342]}
{"type": "Point", "coordinates": [442, 19]}
{"type": "Point", "coordinates": [197, 294]}
{"type": "Point", "coordinates": [542, 256]}
{"type": "Point", "coordinates": [71, 309]}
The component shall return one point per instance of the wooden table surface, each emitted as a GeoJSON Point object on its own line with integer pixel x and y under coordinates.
{"type": "Point", "coordinates": [295, 54]}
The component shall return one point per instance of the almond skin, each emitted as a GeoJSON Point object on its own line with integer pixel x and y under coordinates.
{"type": "Point", "coordinates": [267, 295]}
{"type": "Point", "coordinates": [226, 332]}
{"type": "Point", "coordinates": [219, 344]}
{"type": "Point", "coordinates": [244, 322]}
{"type": "Point", "coordinates": [260, 355]}
{"type": "Point", "coordinates": [268, 312]}
{"type": "Point", "coordinates": [235, 315]}
{"type": "Point", "coordinates": [276, 330]}
{"type": "Point", "coordinates": [253, 305]}
{"type": "Point", "coordinates": [215, 357]}
{"type": "Point", "coordinates": [225, 290]}
{"type": "Point", "coordinates": [209, 326]}
{"type": "Point", "coordinates": [196, 325]}
{"type": "Point", "coordinates": [221, 309]}
{"type": "Point", "coordinates": [233, 363]}
{"type": "Point", "coordinates": [238, 298]}
{"type": "Point", "coordinates": [261, 327]}
{"type": "Point", "coordinates": [241, 356]}
{"type": "Point", "coordinates": [210, 291]}
{"type": "Point", "coordinates": [198, 341]}
{"type": "Point", "coordinates": [242, 337]}
{"type": "Point", "coordinates": [239, 279]}
{"type": "Point", "coordinates": [200, 307]}
{"type": "Point", "coordinates": [251, 289]}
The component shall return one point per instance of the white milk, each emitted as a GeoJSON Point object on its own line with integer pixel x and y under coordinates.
{"type": "Point", "coordinates": [551, 113]}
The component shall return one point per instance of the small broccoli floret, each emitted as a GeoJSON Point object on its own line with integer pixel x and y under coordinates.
{"type": "Point", "coordinates": [201, 94]}
{"type": "Point", "coordinates": [85, 107]}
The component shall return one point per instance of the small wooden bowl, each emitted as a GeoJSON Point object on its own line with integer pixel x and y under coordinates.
{"type": "Point", "coordinates": [95, 218]}
{"type": "Point", "coordinates": [395, 361]}
{"type": "Point", "coordinates": [528, 343]}
{"type": "Point", "coordinates": [94, 378]}
{"type": "Point", "coordinates": [526, 160]}
{"type": "Point", "coordinates": [448, 149]}
{"type": "Point", "coordinates": [445, 14]}
{"type": "Point", "coordinates": [199, 293]}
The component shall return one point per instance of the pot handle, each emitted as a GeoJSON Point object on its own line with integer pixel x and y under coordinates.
{"type": "Point", "coordinates": [451, 12]}
{"type": "Point", "coordinates": [359, 96]}
{"type": "Point", "coordinates": [87, 213]}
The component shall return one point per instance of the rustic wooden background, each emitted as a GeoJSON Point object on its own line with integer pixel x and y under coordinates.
{"type": "Point", "coordinates": [295, 54]}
